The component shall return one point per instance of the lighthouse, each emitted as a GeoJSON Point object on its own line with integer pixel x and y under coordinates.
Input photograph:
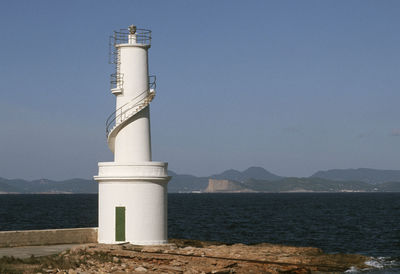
{"type": "Point", "coordinates": [133, 188]}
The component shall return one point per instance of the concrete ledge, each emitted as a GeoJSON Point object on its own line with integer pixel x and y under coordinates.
{"type": "Point", "coordinates": [136, 169]}
{"type": "Point", "coordinates": [48, 237]}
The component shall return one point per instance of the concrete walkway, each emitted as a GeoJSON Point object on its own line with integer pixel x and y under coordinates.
{"type": "Point", "coordinates": [26, 251]}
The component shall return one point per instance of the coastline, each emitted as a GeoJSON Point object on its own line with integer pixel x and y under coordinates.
{"type": "Point", "coordinates": [188, 256]}
{"type": "Point", "coordinates": [203, 192]}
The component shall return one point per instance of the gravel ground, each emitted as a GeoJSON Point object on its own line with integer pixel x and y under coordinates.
{"type": "Point", "coordinates": [186, 256]}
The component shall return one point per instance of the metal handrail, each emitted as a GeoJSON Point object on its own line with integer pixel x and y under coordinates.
{"type": "Point", "coordinates": [110, 122]}
{"type": "Point", "coordinates": [116, 80]}
{"type": "Point", "coordinates": [143, 36]}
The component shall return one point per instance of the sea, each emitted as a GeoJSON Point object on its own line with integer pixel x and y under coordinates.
{"type": "Point", "coordinates": [360, 223]}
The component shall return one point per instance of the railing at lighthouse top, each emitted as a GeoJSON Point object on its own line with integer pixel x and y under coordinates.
{"type": "Point", "coordinates": [123, 36]}
{"type": "Point", "coordinates": [117, 116]}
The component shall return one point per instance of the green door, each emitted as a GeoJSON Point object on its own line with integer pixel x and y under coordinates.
{"type": "Point", "coordinates": [120, 223]}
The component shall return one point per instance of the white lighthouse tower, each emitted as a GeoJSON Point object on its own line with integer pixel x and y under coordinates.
{"type": "Point", "coordinates": [133, 188]}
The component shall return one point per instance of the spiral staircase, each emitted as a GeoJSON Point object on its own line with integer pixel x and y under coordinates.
{"type": "Point", "coordinates": [123, 115]}
{"type": "Point", "coordinates": [126, 113]}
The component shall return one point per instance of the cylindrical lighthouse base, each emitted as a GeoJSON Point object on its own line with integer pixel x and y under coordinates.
{"type": "Point", "coordinates": [133, 203]}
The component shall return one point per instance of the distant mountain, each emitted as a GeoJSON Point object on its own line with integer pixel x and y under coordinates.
{"type": "Point", "coordinates": [259, 179]}
{"type": "Point", "coordinates": [189, 183]}
{"type": "Point", "coordinates": [258, 173]}
{"type": "Point", "coordinates": [307, 184]}
{"type": "Point", "coordinates": [371, 176]}
{"type": "Point", "coordinates": [388, 187]}
{"type": "Point", "coordinates": [186, 183]}
{"type": "Point", "coordinates": [230, 174]}
{"type": "Point", "coordinates": [4, 187]}
{"type": "Point", "coordinates": [48, 186]}
{"type": "Point", "coordinates": [251, 179]}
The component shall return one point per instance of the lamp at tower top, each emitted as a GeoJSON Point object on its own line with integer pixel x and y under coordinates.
{"type": "Point", "coordinates": [124, 36]}
{"type": "Point", "coordinates": [132, 29]}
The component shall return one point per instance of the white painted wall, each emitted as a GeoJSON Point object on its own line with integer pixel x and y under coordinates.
{"type": "Point", "coordinates": [133, 142]}
{"type": "Point", "coordinates": [142, 189]}
{"type": "Point", "coordinates": [146, 216]}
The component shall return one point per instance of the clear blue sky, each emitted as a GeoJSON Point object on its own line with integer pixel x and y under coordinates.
{"type": "Point", "coordinates": [291, 86]}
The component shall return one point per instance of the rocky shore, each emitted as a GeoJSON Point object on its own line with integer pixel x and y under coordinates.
{"type": "Point", "coordinates": [186, 256]}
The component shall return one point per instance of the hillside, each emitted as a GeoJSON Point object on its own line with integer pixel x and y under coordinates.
{"type": "Point", "coordinates": [186, 183]}
{"type": "Point", "coordinates": [251, 179]}
{"type": "Point", "coordinates": [258, 173]}
{"type": "Point", "coordinates": [217, 186]}
{"type": "Point", "coordinates": [388, 187]}
{"type": "Point", "coordinates": [372, 176]}
{"type": "Point", "coordinates": [4, 187]}
{"type": "Point", "coordinates": [48, 186]}
{"type": "Point", "coordinates": [307, 185]}
{"type": "Point", "coordinates": [287, 185]}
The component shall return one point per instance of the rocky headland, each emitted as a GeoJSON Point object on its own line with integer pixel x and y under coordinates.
{"type": "Point", "coordinates": [219, 186]}
{"type": "Point", "coordinates": [187, 256]}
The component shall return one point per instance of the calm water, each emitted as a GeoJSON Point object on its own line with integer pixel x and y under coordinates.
{"type": "Point", "coordinates": [360, 223]}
